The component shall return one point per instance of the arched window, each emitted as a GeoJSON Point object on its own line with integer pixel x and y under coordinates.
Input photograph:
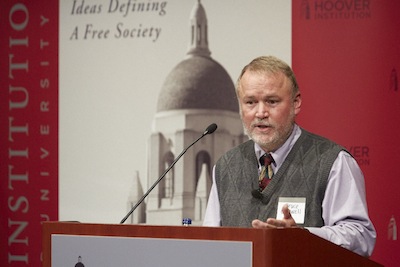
{"type": "Point", "coordinates": [203, 183]}
{"type": "Point", "coordinates": [167, 184]}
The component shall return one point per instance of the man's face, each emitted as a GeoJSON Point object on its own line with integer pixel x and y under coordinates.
{"type": "Point", "coordinates": [268, 108]}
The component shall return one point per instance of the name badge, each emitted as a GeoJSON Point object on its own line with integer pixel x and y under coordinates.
{"type": "Point", "coordinates": [297, 207]}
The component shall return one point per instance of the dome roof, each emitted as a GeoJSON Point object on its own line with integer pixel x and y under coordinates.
{"type": "Point", "coordinates": [198, 83]}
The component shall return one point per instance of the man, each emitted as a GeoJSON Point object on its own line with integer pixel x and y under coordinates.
{"type": "Point", "coordinates": [305, 168]}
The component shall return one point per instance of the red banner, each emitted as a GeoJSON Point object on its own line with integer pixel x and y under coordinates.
{"type": "Point", "coordinates": [29, 127]}
{"type": "Point", "coordinates": [346, 57]}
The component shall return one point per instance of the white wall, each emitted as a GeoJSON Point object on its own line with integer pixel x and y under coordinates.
{"type": "Point", "coordinates": [109, 89]}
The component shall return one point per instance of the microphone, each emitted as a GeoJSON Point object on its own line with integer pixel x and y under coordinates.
{"type": "Point", "coordinates": [209, 130]}
{"type": "Point", "coordinates": [257, 194]}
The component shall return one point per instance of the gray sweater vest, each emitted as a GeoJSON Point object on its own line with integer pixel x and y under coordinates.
{"type": "Point", "coordinates": [304, 173]}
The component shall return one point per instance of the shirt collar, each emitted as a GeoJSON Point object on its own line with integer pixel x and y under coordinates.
{"type": "Point", "coordinates": [281, 153]}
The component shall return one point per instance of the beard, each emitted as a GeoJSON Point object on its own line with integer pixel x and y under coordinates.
{"type": "Point", "coordinates": [276, 137]}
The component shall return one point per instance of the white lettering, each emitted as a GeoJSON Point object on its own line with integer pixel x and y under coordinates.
{"type": "Point", "coordinates": [14, 236]}
{"type": "Point", "coordinates": [24, 95]}
{"type": "Point", "coordinates": [15, 129]}
{"type": "Point", "coordinates": [45, 195]}
{"type": "Point", "coordinates": [45, 153]}
{"type": "Point", "coordinates": [16, 8]}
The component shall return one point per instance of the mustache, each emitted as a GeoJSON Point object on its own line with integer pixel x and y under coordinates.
{"type": "Point", "coordinates": [262, 123]}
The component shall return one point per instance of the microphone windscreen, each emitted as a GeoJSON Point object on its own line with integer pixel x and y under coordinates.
{"type": "Point", "coordinates": [211, 128]}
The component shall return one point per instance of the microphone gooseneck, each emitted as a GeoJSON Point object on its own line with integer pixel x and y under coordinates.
{"type": "Point", "coordinates": [209, 130]}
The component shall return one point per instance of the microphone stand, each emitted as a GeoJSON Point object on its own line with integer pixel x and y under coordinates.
{"type": "Point", "coordinates": [210, 129]}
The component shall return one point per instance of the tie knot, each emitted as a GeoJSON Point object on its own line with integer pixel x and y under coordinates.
{"type": "Point", "coordinates": [266, 159]}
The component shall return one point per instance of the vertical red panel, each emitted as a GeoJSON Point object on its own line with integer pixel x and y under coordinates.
{"type": "Point", "coordinates": [29, 127]}
{"type": "Point", "coordinates": [346, 54]}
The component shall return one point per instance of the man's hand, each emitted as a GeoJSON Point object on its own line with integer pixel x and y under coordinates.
{"type": "Point", "coordinates": [287, 221]}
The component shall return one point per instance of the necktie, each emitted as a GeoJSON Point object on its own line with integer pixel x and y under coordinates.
{"type": "Point", "coordinates": [266, 171]}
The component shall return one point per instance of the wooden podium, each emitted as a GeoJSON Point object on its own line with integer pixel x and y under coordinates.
{"type": "Point", "coordinates": [268, 247]}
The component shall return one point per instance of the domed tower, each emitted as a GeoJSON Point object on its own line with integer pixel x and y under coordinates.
{"type": "Point", "coordinates": [196, 93]}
